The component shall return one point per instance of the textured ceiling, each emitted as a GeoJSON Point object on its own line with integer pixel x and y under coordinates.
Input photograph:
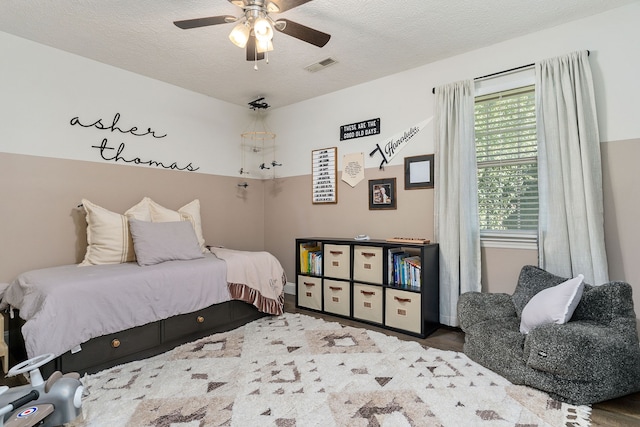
{"type": "Point", "coordinates": [370, 39]}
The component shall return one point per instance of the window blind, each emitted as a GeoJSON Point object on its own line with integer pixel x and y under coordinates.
{"type": "Point", "coordinates": [506, 150]}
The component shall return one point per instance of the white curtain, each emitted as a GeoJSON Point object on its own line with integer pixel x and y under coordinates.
{"type": "Point", "coordinates": [571, 221]}
{"type": "Point", "coordinates": [457, 229]}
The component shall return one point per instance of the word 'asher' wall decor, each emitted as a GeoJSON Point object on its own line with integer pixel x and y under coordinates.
{"type": "Point", "coordinates": [324, 172]}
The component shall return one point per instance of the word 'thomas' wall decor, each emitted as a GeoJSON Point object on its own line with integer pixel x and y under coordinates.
{"type": "Point", "coordinates": [116, 153]}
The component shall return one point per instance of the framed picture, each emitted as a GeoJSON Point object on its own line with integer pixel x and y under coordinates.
{"type": "Point", "coordinates": [382, 193]}
{"type": "Point", "coordinates": [418, 172]}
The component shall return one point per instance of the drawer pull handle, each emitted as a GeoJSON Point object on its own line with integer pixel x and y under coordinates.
{"type": "Point", "coordinates": [200, 319]}
{"type": "Point", "coordinates": [367, 292]}
{"type": "Point", "coordinates": [402, 299]}
{"type": "Point", "coordinates": [335, 288]}
{"type": "Point", "coordinates": [368, 254]}
{"type": "Point", "coordinates": [335, 252]}
{"type": "Point", "coordinates": [309, 284]}
{"type": "Point", "coordinates": [115, 343]}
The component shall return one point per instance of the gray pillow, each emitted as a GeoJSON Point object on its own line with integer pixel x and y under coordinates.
{"type": "Point", "coordinates": [156, 242]}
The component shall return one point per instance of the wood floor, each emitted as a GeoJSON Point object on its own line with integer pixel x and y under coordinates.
{"type": "Point", "coordinates": [621, 412]}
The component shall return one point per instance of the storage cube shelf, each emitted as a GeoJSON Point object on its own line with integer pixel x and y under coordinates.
{"type": "Point", "coordinates": [391, 285]}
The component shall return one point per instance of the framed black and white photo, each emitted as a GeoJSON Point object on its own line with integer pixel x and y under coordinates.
{"type": "Point", "coordinates": [418, 172]}
{"type": "Point", "coordinates": [382, 193]}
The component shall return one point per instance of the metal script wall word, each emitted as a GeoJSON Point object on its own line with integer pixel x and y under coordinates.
{"type": "Point", "coordinates": [108, 153]}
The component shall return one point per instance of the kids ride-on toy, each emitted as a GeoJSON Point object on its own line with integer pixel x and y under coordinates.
{"type": "Point", "coordinates": [53, 402]}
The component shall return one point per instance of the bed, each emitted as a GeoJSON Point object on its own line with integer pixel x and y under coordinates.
{"type": "Point", "coordinates": [96, 315]}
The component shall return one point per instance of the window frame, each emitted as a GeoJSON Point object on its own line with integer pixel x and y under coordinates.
{"type": "Point", "coordinates": [507, 239]}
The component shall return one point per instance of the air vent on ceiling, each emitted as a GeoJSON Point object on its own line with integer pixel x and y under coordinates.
{"type": "Point", "coordinates": [320, 65]}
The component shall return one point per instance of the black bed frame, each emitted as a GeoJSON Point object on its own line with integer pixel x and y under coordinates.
{"type": "Point", "coordinates": [140, 342]}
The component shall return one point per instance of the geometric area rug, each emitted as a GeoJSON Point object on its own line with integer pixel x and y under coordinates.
{"type": "Point", "coordinates": [297, 370]}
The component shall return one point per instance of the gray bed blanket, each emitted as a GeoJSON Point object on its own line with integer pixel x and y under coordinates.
{"type": "Point", "coordinates": [68, 305]}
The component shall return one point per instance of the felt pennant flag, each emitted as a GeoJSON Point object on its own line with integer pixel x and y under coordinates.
{"type": "Point", "coordinates": [393, 145]}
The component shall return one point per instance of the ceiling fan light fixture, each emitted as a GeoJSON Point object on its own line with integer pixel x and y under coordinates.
{"type": "Point", "coordinates": [240, 35]}
{"type": "Point", "coordinates": [263, 46]}
{"type": "Point", "coordinates": [262, 29]}
{"type": "Point", "coordinates": [254, 28]}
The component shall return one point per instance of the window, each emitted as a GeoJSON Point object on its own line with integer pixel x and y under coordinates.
{"type": "Point", "coordinates": [507, 149]}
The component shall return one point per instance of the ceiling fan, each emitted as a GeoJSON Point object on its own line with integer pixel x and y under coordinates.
{"type": "Point", "coordinates": [254, 29]}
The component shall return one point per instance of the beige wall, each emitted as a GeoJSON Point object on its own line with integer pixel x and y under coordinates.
{"type": "Point", "coordinates": [501, 268]}
{"type": "Point", "coordinates": [289, 213]}
{"type": "Point", "coordinates": [621, 188]}
{"type": "Point", "coordinates": [41, 226]}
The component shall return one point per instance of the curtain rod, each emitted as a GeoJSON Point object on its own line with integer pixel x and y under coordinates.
{"type": "Point", "coordinates": [502, 72]}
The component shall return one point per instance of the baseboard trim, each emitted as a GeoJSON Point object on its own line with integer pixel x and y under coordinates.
{"type": "Point", "coordinates": [290, 288]}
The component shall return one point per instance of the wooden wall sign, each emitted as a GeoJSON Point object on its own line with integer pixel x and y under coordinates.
{"type": "Point", "coordinates": [360, 129]}
{"type": "Point", "coordinates": [324, 186]}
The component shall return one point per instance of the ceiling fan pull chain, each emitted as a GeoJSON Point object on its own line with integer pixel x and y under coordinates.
{"type": "Point", "coordinates": [255, 57]}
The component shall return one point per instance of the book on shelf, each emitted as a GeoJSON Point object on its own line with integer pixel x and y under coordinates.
{"type": "Point", "coordinates": [315, 262]}
{"type": "Point", "coordinates": [413, 267]}
{"type": "Point", "coordinates": [311, 259]}
{"type": "Point", "coordinates": [391, 258]}
{"type": "Point", "coordinates": [404, 269]}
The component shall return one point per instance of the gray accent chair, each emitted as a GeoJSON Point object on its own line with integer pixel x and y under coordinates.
{"type": "Point", "coordinates": [593, 357]}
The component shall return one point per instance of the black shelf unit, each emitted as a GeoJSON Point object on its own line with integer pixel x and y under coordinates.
{"type": "Point", "coordinates": [393, 306]}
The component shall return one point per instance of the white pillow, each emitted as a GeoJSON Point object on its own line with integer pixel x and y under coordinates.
{"type": "Point", "coordinates": [141, 211]}
{"type": "Point", "coordinates": [552, 305]}
{"type": "Point", "coordinates": [108, 237]}
{"type": "Point", "coordinates": [189, 212]}
{"type": "Point", "coordinates": [157, 242]}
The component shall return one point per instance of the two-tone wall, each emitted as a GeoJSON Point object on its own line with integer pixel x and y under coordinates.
{"type": "Point", "coordinates": [404, 99]}
{"type": "Point", "coordinates": [73, 128]}
{"type": "Point", "coordinates": [47, 164]}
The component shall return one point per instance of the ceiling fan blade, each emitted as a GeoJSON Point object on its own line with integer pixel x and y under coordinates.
{"type": "Point", "coordinates": [302, 32]}
{"type": "Point", "coordinates": [252, 52]}
{"type": "Point", "coordinates": [286, 4]}
{"type": "Point", "coordinates": [204, 22]}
